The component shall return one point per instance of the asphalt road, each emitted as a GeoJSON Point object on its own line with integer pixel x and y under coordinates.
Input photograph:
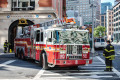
{"type": "Point", "coordinates": [12, 68]}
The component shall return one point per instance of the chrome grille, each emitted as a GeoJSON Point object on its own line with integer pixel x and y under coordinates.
{"type": "Point", "coordinates": [70, 53]}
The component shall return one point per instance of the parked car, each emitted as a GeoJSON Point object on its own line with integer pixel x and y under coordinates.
{"type": "Point", "coordinates": [100, 43]}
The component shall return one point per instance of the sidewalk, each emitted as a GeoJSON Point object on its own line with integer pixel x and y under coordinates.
{"type": "Point", "coordinates": [115, 43]}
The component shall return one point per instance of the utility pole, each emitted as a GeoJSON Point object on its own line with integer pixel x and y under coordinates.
{"type": "Point", "coordinates": [92, 6]}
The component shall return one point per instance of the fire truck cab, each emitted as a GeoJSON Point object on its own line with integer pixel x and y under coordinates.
{"type": "Point", "coordinates": [53, 45]}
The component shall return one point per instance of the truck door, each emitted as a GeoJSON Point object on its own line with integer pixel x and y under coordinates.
{"type": "Point", "coordinates": [36, 42]}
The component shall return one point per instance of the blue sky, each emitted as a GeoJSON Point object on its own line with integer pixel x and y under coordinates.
{"type": "Point", "coordinates": [112, 1]}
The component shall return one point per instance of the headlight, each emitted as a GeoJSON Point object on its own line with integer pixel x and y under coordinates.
{"type": "Point", "coordinates": [62, 51]}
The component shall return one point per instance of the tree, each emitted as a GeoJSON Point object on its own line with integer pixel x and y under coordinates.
{"type": "Point", "coordinates": [99, 31]}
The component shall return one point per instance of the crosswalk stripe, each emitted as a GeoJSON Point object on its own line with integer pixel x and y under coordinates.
{"type": "Point", "coordinates": [7, 62]}
{"type": "Point", "coordinates": [92, 67]}
{"type": "Point", "coordinates": [95, 65]}
{"type": "Point", "coordinates": [72, 70]}
{"type": "Point", "coordinates": [91, 73]}
{"type": "Point", "coordinates": [39, 74]}
{"type": "Point", "coordinates": [85, 77]}
{"type": "Point", "coordinates": [117, 72]}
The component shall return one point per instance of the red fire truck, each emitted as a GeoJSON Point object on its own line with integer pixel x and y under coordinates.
{"type": "Point", "coordinates": [53, 44]}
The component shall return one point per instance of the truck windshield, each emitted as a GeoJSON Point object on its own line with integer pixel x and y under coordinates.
{"type": "Point", "coordinates": [70, 37]}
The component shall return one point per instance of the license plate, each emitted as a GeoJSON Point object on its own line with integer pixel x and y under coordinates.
{"type": "Point", "coordinates": [102, 43]}
{"type": "Point", "coordinates": [74, 51]}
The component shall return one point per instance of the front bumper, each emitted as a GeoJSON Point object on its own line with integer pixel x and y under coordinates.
{"type": "Point", "coordinates": [72, 62]}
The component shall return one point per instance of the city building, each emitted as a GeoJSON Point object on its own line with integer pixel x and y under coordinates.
{"type": "Point", "coordinates": [84, 9]}
{"type": "Point", "coordinates": [116, 2]}
{"type": "Point", "coordinates": [103, 20]}
{"type": "Point", "coordinates": [109, 21]}
{"type": "Point", "coordinates": [116, 17]}
{"type": "Point", "coordinates": [34, 11]}
{"type": "Point", "coordinates": [105, 6]}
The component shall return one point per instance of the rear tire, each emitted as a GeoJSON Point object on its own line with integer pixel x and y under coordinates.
{"type": "Point", "coordinates": [18, 54]}
{"type": "Point", "coordinates": [15, 54]}
{"type": "Point", "coordinates": [22, 55]}
{"type": "Point", "coordinates": [44, 62]}
{"type": "Point", "coordinates": [73, 67]}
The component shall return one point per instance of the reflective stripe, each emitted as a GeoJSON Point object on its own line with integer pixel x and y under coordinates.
{"type": "Point", "coordinates": [107, 66]}
{"type": "Point", "coordinates": [107, 57]}
{"type": "Point", "coordinates": [111, 67]}
{"type": "Point", "coordinates": [112, 55]}
{"type": "Point", "coordinates": [109, 51]}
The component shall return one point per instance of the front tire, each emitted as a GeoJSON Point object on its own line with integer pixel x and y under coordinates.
{"type": "Point", "coordinates": [44, 62]}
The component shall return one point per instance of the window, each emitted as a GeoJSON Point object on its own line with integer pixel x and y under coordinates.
{"type": "Point", "coordinates": [116, 24]}
{"type": "Point", "coordinates": [117, 14]}
{"type": "Point", "coordinates": [110, 29]}
{"type": "Point", "coordinates": [23, 5]}
{"type": "Point", "coordinates": [114, 10]}
{"type": "Point", "coordinates": [49, 36]}
{"type": "Point", "coordinates": [109, 24]}
{"type": "Point", "coordinates": [109, 33]}
{"type": "Point", "coordinates": [102, 24]}
{"type": "Point", "coordinates": [98, 40]}
{"type": "Point", "coordinates": [116, 19]}
{"type": "Point", "coordinates": [37, 35]}
{"type": "Point", "coordinates": [102, 18]}
{"type": "Point", "coordinates": [116, 29]}
{"type": "Point", "coordinates": [102, 40]}
{"type": "Point", "coordinates": [117, 9]}
{"type": "Point", "coordinates": [41, 37]}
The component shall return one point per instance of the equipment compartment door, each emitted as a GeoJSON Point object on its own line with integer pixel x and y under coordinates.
{"type": "Point", "coordinates": [36, 42]}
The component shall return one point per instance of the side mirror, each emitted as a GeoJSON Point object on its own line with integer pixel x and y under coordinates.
{"type": "Point", "coordinates": [21, 35]}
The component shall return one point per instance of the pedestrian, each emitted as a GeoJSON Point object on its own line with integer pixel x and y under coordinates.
{"type": "Point", "coordinates": [5, 46]}
{"type": "Point", "coordinates": [109, 54]}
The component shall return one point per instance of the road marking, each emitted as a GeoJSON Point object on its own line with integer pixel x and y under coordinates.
{"type": "Point", "coordinates": [114, 70]}
{"type": "Point", "coordinates": [76, 77]}
{"type": "Point", "coordinates": [97, 62]}
{"type": "Point", "coordinates": [40, 73]}
{"type": "Point", "coordinates": [7, 62]}
{"type": "Point", "coordinates": [1, 53]}
{"type": "Point", "coordinates": [96, 65]}
{"type": "Point", "coordinates": [93, 67]}
{"type": "Point", "coordinates": [16, 79]}
{"type": "Point", "coordinates": [73, 70]}
{"type": "Point", "coordinates": [66, 74]}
